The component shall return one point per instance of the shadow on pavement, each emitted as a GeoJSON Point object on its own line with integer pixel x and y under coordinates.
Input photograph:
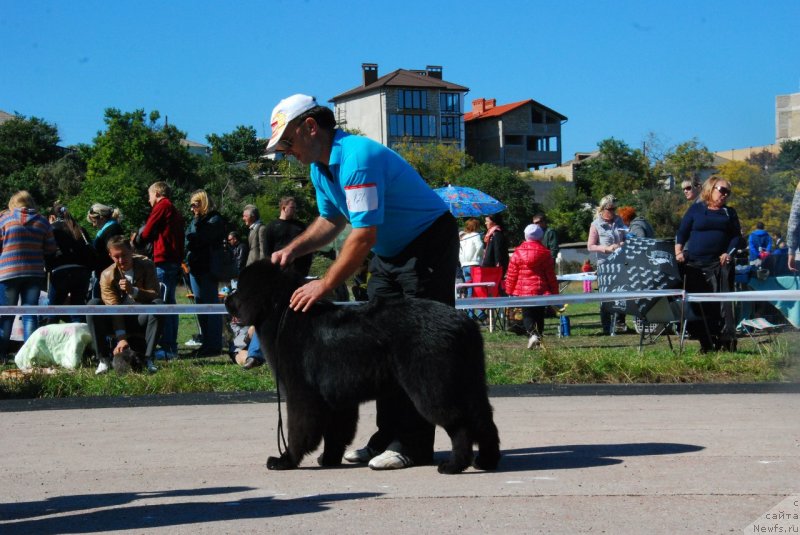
{"type": "Point", "coordinates": [122, 514]}
{"type": "Point", "coordinates": [584, 455]}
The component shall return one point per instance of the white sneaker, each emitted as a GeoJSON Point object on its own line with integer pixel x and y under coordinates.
{"type": "Point", "coordinates": [101, 368]}
{"type": "Point", "coordinates": [390, 460]}
{"type": "Point", "coordinates": [533, 341]}
{"type": "Point", "coordinates": [193, 343]}
{"type": "Point", "coordinates": [361, 455]}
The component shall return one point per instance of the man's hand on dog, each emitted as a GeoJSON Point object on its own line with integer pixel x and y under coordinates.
{"type": "Point", "coordinates": [121, 346]}
{"type": "Point", "coordinates": [305, 296]}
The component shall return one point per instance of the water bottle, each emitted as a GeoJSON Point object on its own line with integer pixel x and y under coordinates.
{"type": "Point", "coordinates": [564, 328]}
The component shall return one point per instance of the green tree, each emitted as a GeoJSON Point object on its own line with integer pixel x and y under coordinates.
{"type": "Point", "coordinates": [789, 157]}
{"type": "Point", "coordinates": [687, 160]}
{"type": "Point", "coordinates": [240, 145]}
{"type": "Point", "coordinates": [507, 187]}
{"type": "Point", "coordinates": [570, 214]}
{"type": "Point", "coordinates": [439, 164]}
{"type": "Point", "coordinates": [662, 209]}
{"type": "Point", "coordinates": [25, 144]}
{"type": "Point", "coordinates": [618, 170]}
{"type": "Point", "coordinates": [749, 186]}
{"type": "Point", "coordinates": [133, 152]}
{"type": "Point", "coordinates": [62, 179]}
{"type": "Point", "coordinates": [764, 160]}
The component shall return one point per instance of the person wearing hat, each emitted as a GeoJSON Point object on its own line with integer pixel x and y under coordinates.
{"type": "Point", "coordinates": [394, 214]}
{"type": "Point", "coordinates": [531, 272]}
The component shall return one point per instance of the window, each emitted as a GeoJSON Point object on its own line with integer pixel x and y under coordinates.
{"type": "Point", "coordinates": [412, 125]}
{"type": "Point", "coordinates": [451, 127]}
{"type": "Point", "coordinates": [543, 144]}
{"type": "Point", "coordinates": [412, 99]}
{"type": "Point", "coordinates": [513, 140]}
{"type": "Point", "coordinates": [450, 102]}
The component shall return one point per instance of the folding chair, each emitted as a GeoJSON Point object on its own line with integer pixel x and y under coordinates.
{"type": "Point", "coordinates": [658, 321]}
{"type": "Point", "coordinates": [493, 275]}
{"type": "Point", "coordinates": [759, 325]}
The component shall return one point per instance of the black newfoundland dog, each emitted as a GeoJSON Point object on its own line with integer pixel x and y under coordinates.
{"type": "Point", "coordinates": [332, 358]}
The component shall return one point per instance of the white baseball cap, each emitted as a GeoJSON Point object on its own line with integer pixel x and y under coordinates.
{"type": "Point", "coordinates": [282, 114]}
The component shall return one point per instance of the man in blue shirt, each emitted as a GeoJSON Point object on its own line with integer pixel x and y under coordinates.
{"type": "Point", "coordinates": [395, 214]}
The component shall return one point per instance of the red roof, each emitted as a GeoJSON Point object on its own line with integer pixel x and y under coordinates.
{"type": "Point", "coordinates": [497, 111]}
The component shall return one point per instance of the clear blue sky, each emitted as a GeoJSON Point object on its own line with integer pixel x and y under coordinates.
{"type": "Point", "coordinates": [680, 69]}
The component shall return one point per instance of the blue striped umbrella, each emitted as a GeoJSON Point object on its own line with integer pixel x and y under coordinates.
{"type": "Point", "coordinates": [469, 202]}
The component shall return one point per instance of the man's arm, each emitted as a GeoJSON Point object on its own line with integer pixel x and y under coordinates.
{"type": "Point", "coordinates": [319, 233]}
{"type": "Point", "coordinates": [354, 250]}
{"type": "Point", "coordinates": [154, 222]}
{"type": "Point", "coordinates": [261, 240]}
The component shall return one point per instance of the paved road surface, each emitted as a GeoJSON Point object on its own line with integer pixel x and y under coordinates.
{"type": "Point", "coordinates": [684, 463]}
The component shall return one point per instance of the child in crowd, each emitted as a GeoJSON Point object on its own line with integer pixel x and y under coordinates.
{"type": "Point", "coordinates": [587, 284]}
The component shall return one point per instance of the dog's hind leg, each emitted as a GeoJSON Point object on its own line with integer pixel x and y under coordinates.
{"type": "Point", "coordinates": [461, 455]}
{"type": "Point", "coordinates": [488, 439]}
{"type": "Point", "coordinates": [340, 429]}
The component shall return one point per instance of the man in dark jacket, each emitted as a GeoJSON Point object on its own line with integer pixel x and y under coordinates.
{"type": "Point", "coordinates": [239, 249]}
{"type": "Point", "coordinates": [550, 239]}
{"type": "Point", "coordinates": [283, 230]}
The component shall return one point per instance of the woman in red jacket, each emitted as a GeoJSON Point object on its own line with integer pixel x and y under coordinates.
{"type": "Point", "coordinates": [530, 272]}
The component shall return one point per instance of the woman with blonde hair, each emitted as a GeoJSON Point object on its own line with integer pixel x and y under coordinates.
{"type": "Point", "coordinates": [707, 237]}
{"type": "Point", "coordinates": [107, 222]}
{"type": "Point", "coordinates": [606, 235]}
{"type": "Point", "coordinates": [25, 239]}
{"type": "Point", "coordinates": [204, 246]}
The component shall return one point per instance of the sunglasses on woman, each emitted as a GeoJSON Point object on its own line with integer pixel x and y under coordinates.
{"type": "Point", "coordinates": [723, 190]}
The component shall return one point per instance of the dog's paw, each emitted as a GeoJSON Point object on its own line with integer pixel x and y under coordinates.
{"type": "Point", "coordinates": [329, 460]}
{"type": "Point", "coordinates": [486, 462]}
{"type": "Point", "coordinates": [449, 467]}
{"type": "Point", "coordinates": [280, 463]}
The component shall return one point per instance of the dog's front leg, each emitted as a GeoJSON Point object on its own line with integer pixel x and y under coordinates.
{"type": "Point", "coordinates": [305, 415]}
{"type": "Point", "coordinates": [284, 462]}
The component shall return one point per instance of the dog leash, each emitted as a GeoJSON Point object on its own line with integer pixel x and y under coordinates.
{"type": "Point", "coordinates": [282, 445]}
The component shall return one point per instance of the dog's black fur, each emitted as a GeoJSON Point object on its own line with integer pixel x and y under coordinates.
{"type": "Point", "coordinates": [128, 360]}
{"type": "Point", "coordinates": [332, 358]}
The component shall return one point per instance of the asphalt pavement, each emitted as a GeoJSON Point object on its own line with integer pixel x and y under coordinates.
{"type": "Point", "coordinates": [597, 459]}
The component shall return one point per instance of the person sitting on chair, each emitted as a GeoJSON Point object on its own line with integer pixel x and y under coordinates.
{"type": "Point", "coordinates": [131, 279]}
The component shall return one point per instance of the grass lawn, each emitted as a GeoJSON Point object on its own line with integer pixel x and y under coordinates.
{"type": "Point", "coordinates": [583, 357]}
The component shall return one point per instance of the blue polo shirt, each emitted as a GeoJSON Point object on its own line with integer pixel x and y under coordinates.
{"type": "Point", "coordinates": [371, 185]}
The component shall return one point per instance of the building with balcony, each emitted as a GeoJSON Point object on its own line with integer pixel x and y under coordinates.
{"type": "Point", "coordinates": [523, 135]}
{"type": "Point", "coordinates": [415, 105]}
